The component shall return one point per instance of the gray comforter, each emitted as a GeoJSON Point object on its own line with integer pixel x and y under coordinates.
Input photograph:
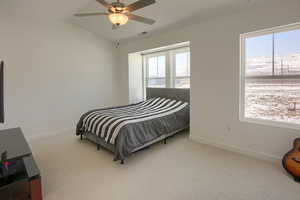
{"type": "Point", "coordinates": [132, 126]}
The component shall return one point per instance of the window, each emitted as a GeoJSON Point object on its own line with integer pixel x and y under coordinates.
{"type": "Point", "coordinates": [270, 77]}
{"type": "Point", "coordinates": [182, 69]}
{"type": "Point", "coordinates": [169, 69]}
{"type": "Point", "coordinates": [156, 71]}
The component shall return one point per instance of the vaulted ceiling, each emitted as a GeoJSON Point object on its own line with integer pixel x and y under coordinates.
{"type": "Point", "coordinates": [167, 13]}
{"type": "Point", "coordinates": [40, 10]}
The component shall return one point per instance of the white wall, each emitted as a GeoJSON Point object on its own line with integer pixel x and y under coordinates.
{"type": "Point", "coordinates": [215, 78]}
{"type": "Point", "coordinates": [53, 73]}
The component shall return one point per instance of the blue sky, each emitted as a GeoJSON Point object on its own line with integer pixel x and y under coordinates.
{"type": "Point", "coordinates": [285, 43]}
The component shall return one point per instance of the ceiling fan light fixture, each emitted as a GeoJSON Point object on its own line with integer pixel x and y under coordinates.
{"type": "Point", "coordinates": [119, 13]}
{"type": "Point", "coordinates": [118, 18]}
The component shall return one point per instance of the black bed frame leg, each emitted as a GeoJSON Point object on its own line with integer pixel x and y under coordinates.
{"type": "Point", "coordinates": [80, 136]}
{"type": "Point", "coordinates": [98, 147]}
{"type": "Point", "coordinates": [122, 162]}
{"type": "Point", "coordinates": [165, 141]}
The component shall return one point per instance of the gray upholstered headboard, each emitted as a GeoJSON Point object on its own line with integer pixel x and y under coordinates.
{"type": "Point", "coordinates": [171, 93]}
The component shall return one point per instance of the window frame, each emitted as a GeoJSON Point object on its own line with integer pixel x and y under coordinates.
{"type": "Point", "coordinates": [170, 65]}
{"type": "Point", "coordinates": [173, 65]}
{"type": "Point", "coordinates": [242, 77]}
{"type": "Point", "coordinates": [146, 68]}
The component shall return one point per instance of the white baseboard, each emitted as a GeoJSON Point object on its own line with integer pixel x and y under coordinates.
{"type": "Point", "coordinates": [247, 152]}
{"type": "Point", "coordinates": [46, 134]}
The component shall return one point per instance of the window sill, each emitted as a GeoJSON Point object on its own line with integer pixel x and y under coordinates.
{"type": "Point", "coordinates": [271, 123]}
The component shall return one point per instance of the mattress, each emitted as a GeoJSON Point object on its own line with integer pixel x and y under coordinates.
{"type": "Point", "coordinates": [132, 126]}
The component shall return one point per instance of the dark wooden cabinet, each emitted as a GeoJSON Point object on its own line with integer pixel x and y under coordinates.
{"type": "Point", "coordinates": [26, 184]}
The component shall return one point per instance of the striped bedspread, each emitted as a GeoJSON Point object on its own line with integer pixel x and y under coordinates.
{"type": "Point", "coordinates": [107, 123]}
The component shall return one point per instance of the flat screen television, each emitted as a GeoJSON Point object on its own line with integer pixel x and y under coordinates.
{"type": "Point", "coordinates": [1, 91]}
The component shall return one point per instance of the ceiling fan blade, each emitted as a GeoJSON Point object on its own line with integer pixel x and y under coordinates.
{"type": "Point", "coordinates": [140, 19]}
{"type": "Point", "coordinates": [104, 3]}
{"type": "Point", "coordinates": [139, 4]}
{"type": "Point", "coordinates": [89, 14]}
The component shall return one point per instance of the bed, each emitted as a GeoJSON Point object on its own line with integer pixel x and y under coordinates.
{"type": "Point", "coordinates": [127, 129]}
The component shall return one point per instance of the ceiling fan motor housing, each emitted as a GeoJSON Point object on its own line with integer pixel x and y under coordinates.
{"type": "Point", "coordinates": [117, 7]}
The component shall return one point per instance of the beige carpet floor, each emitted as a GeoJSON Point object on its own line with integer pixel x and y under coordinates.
{"type": "Point", "coordinates": [181, 170]}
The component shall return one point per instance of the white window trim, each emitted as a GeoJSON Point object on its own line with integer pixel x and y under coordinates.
{"type": "Point", "coordinates": [242, 77]}
{"type": "Point", "coordinates": [146, 68]}
{"type": "Point", "coordinates": [173, 64]}
{"type": "Point", "coordinates": [170, 61]}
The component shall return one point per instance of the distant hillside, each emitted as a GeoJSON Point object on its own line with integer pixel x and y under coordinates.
{"type": "Point", "coordinates": [284, 65]}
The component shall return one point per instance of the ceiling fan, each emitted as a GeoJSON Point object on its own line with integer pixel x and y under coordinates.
{"type": "Point", "coordinates": [119, 13]}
